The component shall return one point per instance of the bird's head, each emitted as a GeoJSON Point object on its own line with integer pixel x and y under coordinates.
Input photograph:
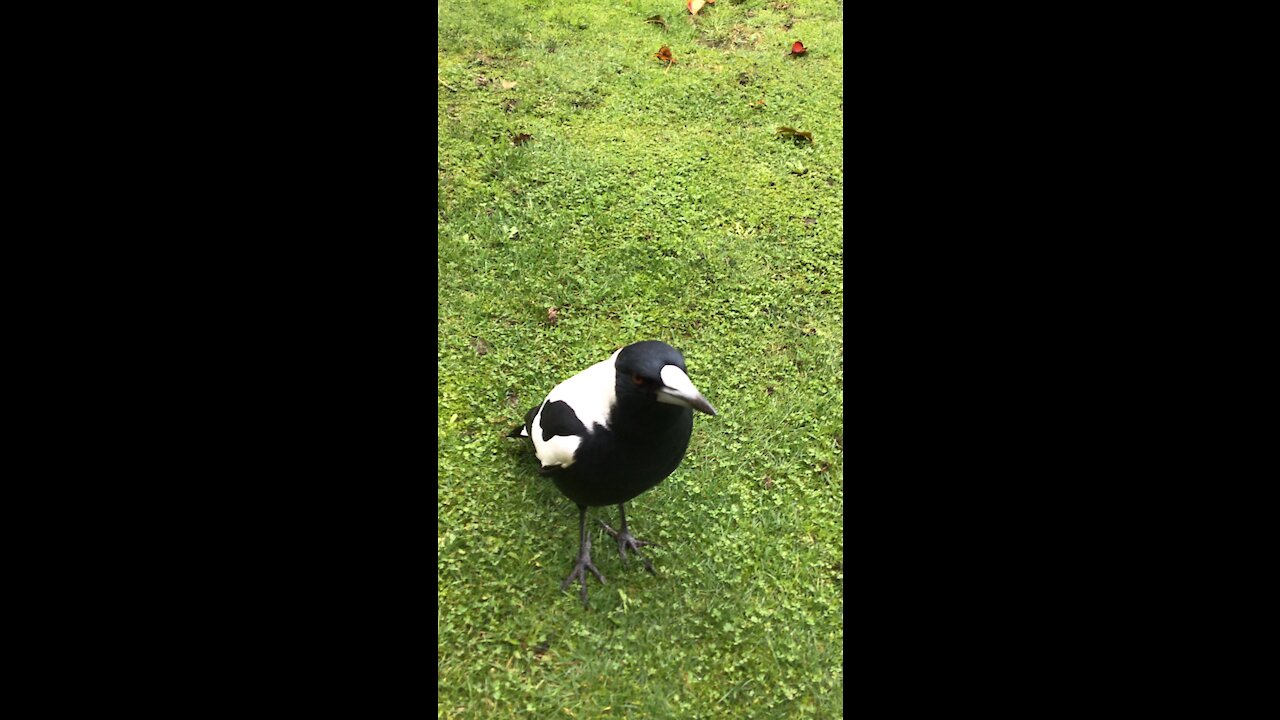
{"type": "Point", "coordinates": [653, 368]}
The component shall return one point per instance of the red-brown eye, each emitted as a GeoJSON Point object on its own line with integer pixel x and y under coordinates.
{"type": "Point", "coordinates": [637, 379]}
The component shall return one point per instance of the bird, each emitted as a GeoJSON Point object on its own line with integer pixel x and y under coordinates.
{"type": "Point", "coordinates": [611, 432]}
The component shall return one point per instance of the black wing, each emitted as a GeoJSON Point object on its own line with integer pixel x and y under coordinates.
{"type": "Point", "coordinates": [559, 419]}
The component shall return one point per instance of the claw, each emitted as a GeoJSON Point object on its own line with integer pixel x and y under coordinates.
{"type": "Point", "coordinates": [627, 540]}
{"type": "Point", "coordinates": [579, 573]}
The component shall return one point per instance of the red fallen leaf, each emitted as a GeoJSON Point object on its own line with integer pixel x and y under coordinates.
{"type": "Point", "coordinates": [798, 48]}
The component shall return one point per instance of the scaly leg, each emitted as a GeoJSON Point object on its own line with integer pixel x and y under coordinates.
{"type": "Point", "coordinates": [627, 540]}
{"type": "Point", "coordinates": [584, 558]}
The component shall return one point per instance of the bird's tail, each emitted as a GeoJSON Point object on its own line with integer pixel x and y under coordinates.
{"type": "Point", "coordinates": [518, 432]}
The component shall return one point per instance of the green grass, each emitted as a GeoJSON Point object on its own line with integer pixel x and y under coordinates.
{"type": "Point", "coordinates": [648, 204]}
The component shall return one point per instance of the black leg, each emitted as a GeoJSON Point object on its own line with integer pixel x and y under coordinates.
{"type": "Point", "coordinates": [627, 540]}
{"type": "Point", "coordinates": [584, 558]}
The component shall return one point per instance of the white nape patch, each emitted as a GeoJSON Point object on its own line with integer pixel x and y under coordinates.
{"type": "Point", "coordinates": [591, 395]}
{"type": "Point", "coordinates": [680, 385]}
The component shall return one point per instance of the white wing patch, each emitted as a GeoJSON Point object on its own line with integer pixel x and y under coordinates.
{"type": "Point", "coordinates": [557, 451]}
{"type": "Point", "coordinates": [591, 395]}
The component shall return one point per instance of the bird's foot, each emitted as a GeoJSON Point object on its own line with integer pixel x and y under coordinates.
{"type": "Point", "coordinates": [580, 572]}
{"type": "Point", "coordinates": [628, 541]}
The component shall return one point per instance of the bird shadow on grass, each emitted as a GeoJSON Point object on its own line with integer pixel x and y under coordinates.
{"type": "Point", "coordinates": [524, 469]}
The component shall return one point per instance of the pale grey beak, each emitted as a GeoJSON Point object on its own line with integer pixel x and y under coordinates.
{"type": "Point", "coordinates": [679, 390]}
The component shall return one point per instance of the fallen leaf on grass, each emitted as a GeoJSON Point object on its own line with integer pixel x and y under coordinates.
{"type": "Point", "coordinates": [481, 81]}
{"type": "Point", "coordinates": [507, 85]}
{"type": "Point", "coordinates": [694, 5]}
{"type": "Point", "coordinates": [657, 20]}
{"type": "Point", "coordinates": [794, 134]}
{"type": "Point", "coordinates": [664, 54]}
{"type": "Point", "coordinates": [520, 139]}
{"type": "Point", "coordinates": [798, 48]}
{"type": "Point", "coordinates": [553, 316]}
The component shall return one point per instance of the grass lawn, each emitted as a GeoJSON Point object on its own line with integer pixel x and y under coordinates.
{"type": "Point", "coordinates": [648, 202]}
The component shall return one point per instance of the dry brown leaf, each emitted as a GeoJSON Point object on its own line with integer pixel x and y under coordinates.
{"type": "Point", "coordinates": [664, 54]}
{"type": "Point", "coordinates": [553, 315]}
{"type": "Point", "coordinates": [794, 134]}
{"type": "Point", "coordinates": [507, 85]}
{"type": "Point", "coordinates": [694, 5]}
{"type": "Point", "coordinates": [520, 139]}
{"type": "Point", "coordinates": [481, 81]}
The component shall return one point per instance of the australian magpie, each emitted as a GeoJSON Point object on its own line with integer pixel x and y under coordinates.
{"type": "Point", "coordinates": [611, 432]}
